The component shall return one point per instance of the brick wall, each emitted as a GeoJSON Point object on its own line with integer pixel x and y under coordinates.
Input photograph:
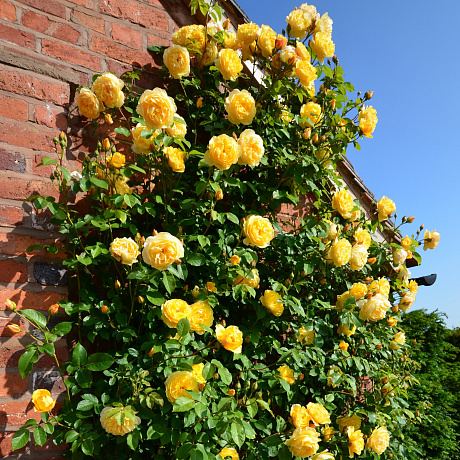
{"type": "Point", "coordinates": [47, 49]}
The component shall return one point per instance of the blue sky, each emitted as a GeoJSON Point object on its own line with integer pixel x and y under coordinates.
{"type": "Point", "coordinates": [407, 53]}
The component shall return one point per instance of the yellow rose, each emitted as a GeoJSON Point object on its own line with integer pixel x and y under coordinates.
{"type": "Point", "coordinates": [299, 21]}
{"type": "Point", "coordinates": [89, 104]}
{"type": "Point", "coordinates": [111, 425]}
{"type": "Point", "coordinates": [125, 250]}
{"type": "Point", "coordinates": [399, 256]}
{"type": "Point", "coordinates": [413, 287]}
{"type": "Point", "coordinates": [331, 373]}
{"type": "Point", "coordinates": [300, 416]}
{"type": "Point", "coordinates": [333, 230]}
{"type": "Point", "coordinates": [375, 308]}
{"type": "Point", "coordinates": [258, 231]}
{"type": "Point", "coordinates": [324, 157]}
{"type": "Point", "coordinates": [380, 286]}
{"type": "Point", "coordinates": [355, 441]}
{"type": "Point", "coordinates": [288, 55]}
{"type": "Point", "coordinates": [252, 282]}
{"type": "Point", "coordinates": [193, 37]}
{"type": "Point", "coordinates": [177, 59]}
{"type": "Point", "coordinates": [231, 41]}
{"type": "Point", "coordinates": [306, 73]}
{"type": "Point", "coordinates": [385, 207]}
{"type": "Point", "coordinates": [142, 144]}
{"type": "Point", "coordinates": [210, 53]}
{"type": "Point", "coordinates": [311, 111]}
{"type": "Point", "coordinates": [403, 274]}
{"type": "Point", "coordinates": [431, 239]}
{"type": "Point", "coordinates": [271, 300]}
{"type": "Point", "coordinates": [392, 321]}
{"type": "Point", "coordinates": [318, 413]}
{"type": "Point", "coordinates": [178, 383]}
{"type": "Point", "coordinates": [398, 339]}
{"type": "Point", "coordinates": [343, 345]}
{"type": "Point", "coordinates": [117, 160]}
{"type": "Point", "coordinates": [325, 455]}
{"type": "Point", "coordinates": [251, 147]}
{"type": "Point", "coordinates": [175, 158]}
{"type": "Point", "coordinates": [341, 299]}
{"type": "Point", "coordinates": [341, 252]}
{"type": "Point", "coordinates": [157, 108]}
{"type": "Point", "coordinates": [230, 337]}
{"type": "Point", "coordinates": [358, 290]}
{"type": "Point", "coordinates": [201, 313]}
{"type": "Point", "coordinates": [347, 420]}
{"type": "Point", "coordinates": [328, 433]}
{"type": "Point", "coordinates": [229, 64]}
{"type": "Point", "coordinates": [266, 41]}
{"type": "Point", "coordinates": [178, 128]}
{"type": "Point", "coordinates": [172, 311]}
{"type": "Point", "coordinates": [223, 152]}
{"type": "Point", "coordinates": [198, 372]}
{"type": "Point", "coordinates": [42, 401]}
{"type": "Point", "coordinates": [358, 257]}
{"type": "Point", "coordinates": [161, 250]}
{"type": "Point", "coordinates": [322, 46]}
{"type": "Point", "coordinates": [342, 201]}
{"type": "Point", "coordinates": [108, 89]}
{"type": "Point", "coordinates": [345, 330]}
{"type": "Point", "coordinates": [229, 452]}
{"type": "Point", "coordinates": [367, 120]}
{"type": "Point", "coordinates": [286, 373]}
{"type": "Point", "coordinates": [247, 32]}
{"type": "Point", "coordinates": [235, 260]}
{"type": "Point", "coordinates": [122, 187]}
{"type": "Point", "coordinates": [304, 442]}
{"type": "Point", "coordinates": [379, 440]}
{"type": "Point", "coordinates": [306, 337]}
{"type": "Point", "coordinates": [240, 107]}
{"type": "Point", "coordinates": [324, 24]}
{"type": "Point", "coordinates": [406, 243]}
{"type": "Point", "coordinates": [302, 51]}
{"type": "Point", "coordinates": [363, 237]}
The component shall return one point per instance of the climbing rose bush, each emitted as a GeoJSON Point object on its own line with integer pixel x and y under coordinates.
{"type": "Point", "coordinates": [204, 324]}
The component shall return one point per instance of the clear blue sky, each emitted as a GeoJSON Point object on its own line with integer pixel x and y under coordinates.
{"type": "Point", "coordinates": [407, 53]}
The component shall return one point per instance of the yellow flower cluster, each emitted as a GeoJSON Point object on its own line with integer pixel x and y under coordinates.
{"type": "Point", "coordinates": [200, 312]}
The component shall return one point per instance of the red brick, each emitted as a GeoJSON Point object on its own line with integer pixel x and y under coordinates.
{"type": "Point", "coordinates": [18, 82]}
{"type": "Point", "coordinates": [9, 358]}
{"type": "Point", "coordinates": [91, 22]}
{"type": "Point", "coordinates": [51, 117]}
{"type": "Point", "coordinates": [51, 447]}
{"type": "Point", "coordinates": [27, 135]}
{"type": "Point", "coordinates": [70, 54]}
{"type": "Point", "coordinates": [17, 413]}
{"type": "Point", "coordinates": [10, 216]}
{"type": "Point", "coordinates": [127, 36]}
{"type": "Point", "coordinates": [7, 11]}
{"type": "Point", "coordinates": [156, 40]}
{"type": "Point", "coordinates": [35, 21]}
{"type": "Point", "coordinates": [27, 299]}
{"type": "Point", "coordinates": [5, 332]}
{"type": "Point", "coordinates": [12, 272]}
{"type": "Point", "coordinates": [16, 36]}
{"type": "Point", "coordinates": [20, 189]}
{"type": "Point", "coordinates": [66, 33]}
{"type": "Point", "coordinates": [20, 111]}
{"type": "Point", "coordinates": [53, 7]}
{"type": "Point", "coordinates": [14, 244]}
{"type": "Point", "coordinates": [85, 3]}
{"type": "Point", "coordinates": [134, 12]}
{"type": "Point", "coordinates": [106, 47]}
{"type": "Point", "coordinates": [5, 444]}
{"type": "Point", "coordinates": [12, 161]}
{"type": "Point", "coordinates": [43, 170]}
{"type": "Point", "coordinates": [12, 384]}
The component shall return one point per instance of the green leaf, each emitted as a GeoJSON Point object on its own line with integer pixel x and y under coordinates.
{"type": "Point", "coordinates": [70, 436]}
{"type": "Point", "coordinates": [224, 373]}
{"type": "Point", "coordinates": [83, 377]}
{"type": "Point", "coordinates": [156, 298]}
{"type": "Point", "coordinates": [26, 362]}
{"type": "Point", "coordinates": [284, 453]}
{"type": "Point", "coordinates": [85, 405]}
{"type": "Point", "coordinates": [208, 371]}
{"type": "Point", "coordinates": [99, 361]}
{"type": "Point", "coordinates": [40, 436]}
{"type": "Point", "coordinates": [122, 130]}
{"type": "Point", "coordinates": [197, 260]}
{"type": "Point", "coordinates": [62, 329]}
{"type": "Point", "coordinates": [99, 183]}
{"type": "Point", "coordinates": [169, 282]}
{"type": "Point", "coordinates": [130, 200]}
{"type": "Point", "coordinates": [238, 434]}
{"type": "Point", "coordinates": [20, 439]}
{"type": "Point", "coordinates": [232, 218]}
{"type": "Point", "coordinates": [49, 349]}
{"type": "Point", "coordinates": [132, 440]}
{"type": "Point", "coordinates": [87, 447]}
{"type": "Point", "coordinates": [65, 173]}
{"type": "Point", "coordinates": [79, 355]}
{"type": "Point", "coordinates": [183, 404]}
{"type": "Point", "coordinates": [30, 422]}
{"type": "Point", "coordinates": [35, 316]}
{"type": "Point", "coordinates": [47, 161]}
{"type": "Point", "coordinates": [184, 450]}
{"type": "Point", "coordinates": [183, 327]}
